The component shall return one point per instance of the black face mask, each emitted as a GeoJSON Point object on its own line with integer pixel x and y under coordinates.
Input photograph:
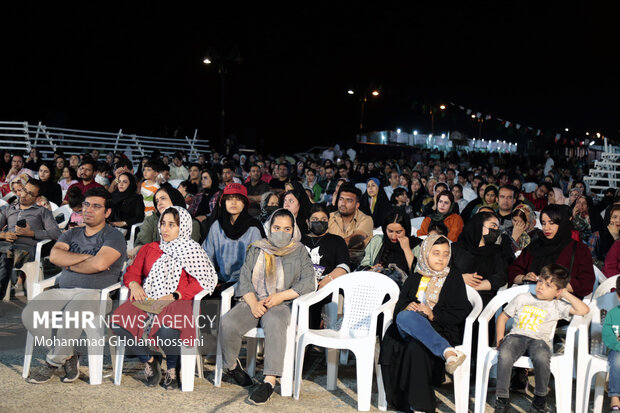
{"type": "Point", "coordinates": [491, 237]}
{"type": "Point", "coordinates": [271, 209]}
{"type": "Point", "coordinates": [318, 227]}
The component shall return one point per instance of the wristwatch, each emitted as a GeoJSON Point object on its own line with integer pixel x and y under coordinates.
{"type": "Point", "coordinates": [175, 295]}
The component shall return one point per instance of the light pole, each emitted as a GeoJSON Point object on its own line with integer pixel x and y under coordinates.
{"type": "Point", "coordinates": [432, 113]}
{"type": "Point", "coordinates": [363, 99]}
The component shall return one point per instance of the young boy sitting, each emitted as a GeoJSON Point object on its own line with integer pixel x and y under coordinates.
{"type": "Point", "coordinates": [535, 319]}
{"type": "Point", "coordinates": [611, 338]}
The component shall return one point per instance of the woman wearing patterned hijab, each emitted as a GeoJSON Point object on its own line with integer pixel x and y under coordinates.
{"type": "Point", "coordinates": [277, 269]}
{"type": "Point", "coordinates": [163, 280]}
{"type": "Point", "coordinates": [429, 314]}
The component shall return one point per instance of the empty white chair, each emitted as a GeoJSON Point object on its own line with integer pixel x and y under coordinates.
{"type": "Point", "coordinates": [189, 356]}
{"type": "Point", "coordinates": [561, 364]}
{"type": "Point", "coordinates": [364, 293]}
{"type": "Point", "coordinates": [95, 353]}
{"type": "Point", "coordinates": [591, 352]}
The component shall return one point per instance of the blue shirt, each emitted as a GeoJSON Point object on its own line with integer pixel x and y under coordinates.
{"type": "Point", "coordinates": [228, 254]}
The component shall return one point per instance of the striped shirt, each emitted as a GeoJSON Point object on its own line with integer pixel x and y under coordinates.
{"type": "Point", "coordinates": [148, 193]}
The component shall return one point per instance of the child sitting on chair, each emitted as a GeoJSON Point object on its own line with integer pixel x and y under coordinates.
{"type": "Point", "coordinates": [611, 333]}
{"type": "Point", "coordinates": [536, 316]}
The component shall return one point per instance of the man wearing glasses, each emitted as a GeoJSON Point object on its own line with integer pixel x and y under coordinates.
{"type": "Point", "coordinates": [23, 224]}
{"type": "Point", "coordinates": [350, 223]}
{"type": "Point", "coordinates": [91, 258]}
{"type": "Point", "coordinates": [86, 178]}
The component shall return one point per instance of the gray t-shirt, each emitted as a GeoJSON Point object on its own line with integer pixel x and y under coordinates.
{"type": "Point", "coordinates": [536, 318]}
{"type": "Point", "coordinates": [79, 243]}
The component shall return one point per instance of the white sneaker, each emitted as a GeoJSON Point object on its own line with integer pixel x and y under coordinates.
{"type": "Point", "coordinates": [453, 362]}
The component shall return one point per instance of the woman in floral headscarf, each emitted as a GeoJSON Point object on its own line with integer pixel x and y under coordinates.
{"type": "Point", "coordinates": [429, 314]}
{"type": "Point", "coordinates": [523, 230]}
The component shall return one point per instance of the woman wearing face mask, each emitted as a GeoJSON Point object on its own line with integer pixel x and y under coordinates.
{"type": "Point", "coordinates": [523, 230]}
{"type": "Point", "coordinates": [49, 188]}
{"type": "Point", "coordinates": [269, 203]}
{"type": "Point", "coordinates": [171, 271]}
{"type": "Point", "coordinates": [555, 246]}
{"type": "Point", "coordinates": [375, 202]}
{"type": "Point", "coordinates": [395, 246]}
{"type": "Point", "coordinates": [444, 213]}
{"type": "Point", "coordinates": [277, 270]}
{"type": "Point", "coordinates": [230, 231]}
{"type": "Point", "coordinates": [127, 205]}
{"type": "Point", "coordinates": [164, 198]}
{"type": "Point", "coordinates": [429, 315]}
{"type": "Point", "coordinates": [481, 256]}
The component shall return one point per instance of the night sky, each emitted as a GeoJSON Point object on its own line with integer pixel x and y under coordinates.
{"type": "Point", "coordinates": [138, 66]}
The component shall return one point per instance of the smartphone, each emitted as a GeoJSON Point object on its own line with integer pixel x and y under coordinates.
{"type": "Point", "coordinates": [21, 223]}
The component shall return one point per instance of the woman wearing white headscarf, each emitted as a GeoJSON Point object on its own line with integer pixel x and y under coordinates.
{"type": "Point", "coordinates": [277, 270]}
{"type": "Point", "coordinates": [163, 280]}
{"type": "Point", "coordinates": [430, 315]}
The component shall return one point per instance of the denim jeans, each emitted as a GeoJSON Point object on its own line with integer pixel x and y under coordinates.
{"type": "Point", "coordinates": [614, 373]}
{"type": "Point", "coordinates": [413, 324]}
{"type": "Point", "coordinates": [164, 334]}
{"type": "Point", "coordinates": [515, 346]}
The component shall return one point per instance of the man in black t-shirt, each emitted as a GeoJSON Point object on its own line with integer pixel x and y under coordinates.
{"type": "Point", "coordinates": [279, 182]}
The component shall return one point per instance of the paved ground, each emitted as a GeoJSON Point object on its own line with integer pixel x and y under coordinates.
{"type": "Point", "coordinates": [132, 396]}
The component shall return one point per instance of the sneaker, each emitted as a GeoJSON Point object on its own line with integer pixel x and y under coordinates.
{"type": "Point", "coordinates": [171, 382]}
{"type": "Point", "coordinates": [519, 382]}
{"type": "Point", "coordinates": [453, 362]}
{"type": "Point", "coordinates": [152, 372]}
{"type": "Point", "coordinates": [501, 405]}
{"type": "Point", "coordinates": [239, 375]}
{"type": "Point", "coordinates": [72, 369]}
{"type": "Point", "coordinates": [534, 408]}
{"type": "Point", "coordinates": [261, 394]}
{"type": "Point", "coordinates": [42, 374]}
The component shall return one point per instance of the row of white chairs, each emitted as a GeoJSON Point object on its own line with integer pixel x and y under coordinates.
{"type": "Point", "coordinates": [364, 293]}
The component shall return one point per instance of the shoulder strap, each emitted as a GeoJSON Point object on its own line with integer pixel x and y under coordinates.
{"type": "Point", "coordinates": [572, 258]}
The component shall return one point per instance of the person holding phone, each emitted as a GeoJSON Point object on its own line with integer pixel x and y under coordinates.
{"type": "Point", "coordinates": [26, 224]}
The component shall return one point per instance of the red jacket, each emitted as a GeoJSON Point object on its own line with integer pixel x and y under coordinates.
{"type": "Point", "coordinates": [581, 277]}
{"type": "Point", "coordinates": [612, 261]}
{"type": "Point", "coordinates": [539, 203]}
{"type": "Point", "coordinates": [453, 222]}
{"type": "Point", "coordinates": [139, 270]}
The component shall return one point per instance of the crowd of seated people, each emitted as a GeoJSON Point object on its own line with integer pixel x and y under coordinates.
{"type": "Point", "coordinates": [252, 216]}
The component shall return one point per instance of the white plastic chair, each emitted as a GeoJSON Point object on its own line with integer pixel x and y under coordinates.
{"type": "Point", "coordinates": [95, 353]}
{"type": "Point", "coordinates": [561, 364]}
{"type": "Point", "coordinates": [529, 187]}
{"type": "Point", "coordinates": [416, 223]}
{"type": "Point", "coordinates": [33, 271]}
{"type": "Point", "coordinates": [65, 211]}
{"type": "Point", "coordinates": [189, 357]}
{"type": "Point", "coordinates": [364, 293]}
{"type": "Point", "coordinates": [53, 206]}
{"type": "Point", "coordinates": [599, 278]}
{"type": "Point", "coordinates": [252, 336]}
{"type": "Point", "coordinates": [591, 351]}
{"type": "Point", "coordinates": [461, 374]}
{"type": "Point", "coordinates": [132, 235]}
{"type": "Point", "coordinates": [361, 186]}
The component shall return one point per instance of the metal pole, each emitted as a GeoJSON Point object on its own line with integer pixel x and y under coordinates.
{"type": "Point", "coordinates": [363, 100]}
{"type": "Point", "coordinates": [432, 122]}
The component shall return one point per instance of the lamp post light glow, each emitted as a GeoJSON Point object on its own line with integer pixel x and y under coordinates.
{"type": "Point", "coordinates": [375, 93]}
{"type": "Point", "coordinates": [350, 92]}
{"type": "Point", "coordinates": [442, 107]}
{"type": "Point", "coordinates": [206, 61]}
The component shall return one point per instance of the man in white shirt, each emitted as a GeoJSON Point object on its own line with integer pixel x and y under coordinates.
{"type": "Point", "coordinates": [548, 164]}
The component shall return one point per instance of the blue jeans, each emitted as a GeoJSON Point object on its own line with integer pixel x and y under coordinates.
{"type": "Point", "coordinates": [614, 373]}
{"type": "Point", "coordinates": [142, 352]}
{"type": "Point", "coordinates": [413, 324]}
{"type": "Point", "coordinates": [515, 346]}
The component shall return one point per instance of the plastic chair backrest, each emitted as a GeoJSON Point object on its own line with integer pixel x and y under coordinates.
{"type": "Point", "coordinates": [416, 222]}
{"type": "Point", "coordinates": [364, 292]}
{"type": "Point", "coordinates": [529, 187]}
{"type": "Point", "coordinates": [604, 302]}
{"type": "Point", "coordinates": [605, 287]}
{"type": "Point", "coordinates": [474, 299]}
{"type": "Point", "coordinates": [361, 186]}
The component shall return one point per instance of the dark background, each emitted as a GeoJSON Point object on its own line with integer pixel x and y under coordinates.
{"type": "Point", "coordinates": [138, 66]}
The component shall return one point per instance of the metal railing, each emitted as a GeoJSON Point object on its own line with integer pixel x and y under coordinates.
{"type": "Point", "coordinates": [606, 171]}
{"type": "Point", "coordinates": [22, 136]}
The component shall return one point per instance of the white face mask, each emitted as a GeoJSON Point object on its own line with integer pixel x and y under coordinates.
{"type": "Point", "coordinates": [280, 239]}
